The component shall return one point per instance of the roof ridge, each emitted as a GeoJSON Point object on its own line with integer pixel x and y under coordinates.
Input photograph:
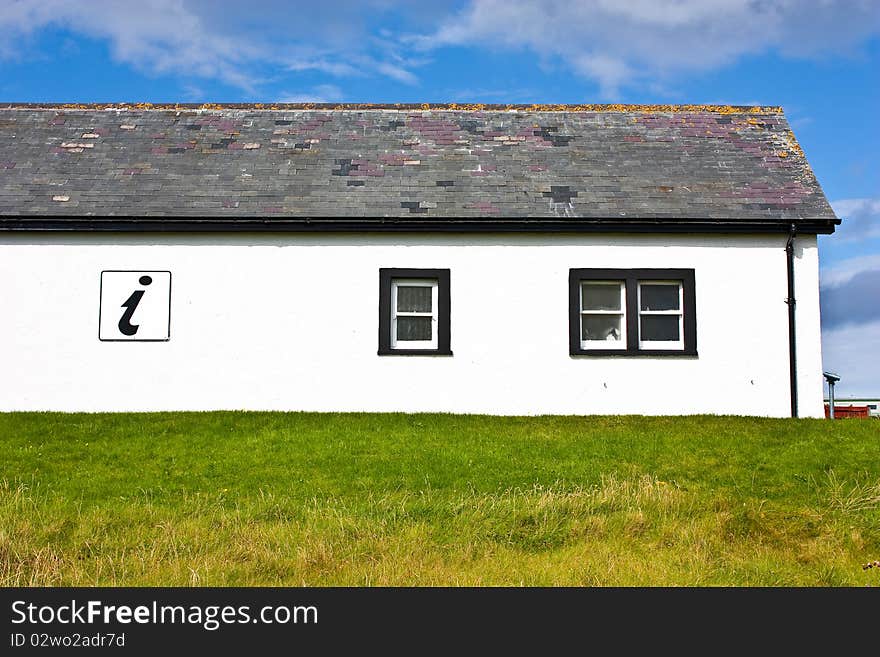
{"type": "Point", "coordinates": [459, 107]}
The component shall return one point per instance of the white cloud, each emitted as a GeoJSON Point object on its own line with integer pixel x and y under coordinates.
{"type": "Point", "coordinates": [160, 36]}
{"type": "Point", "coordinates": [323, 65]}
{"type": "Point", "coordinates": [396, 72]}
{"type": "Point", "coordinates": [323, 93]}
{"type": "Point", "coordinates": [853, 352]}
{"type": "Point", "coordinates": [193, 93]}
{"type": "Point", "coordinates": [860, 218]}
{"type": "Point", "coordinates": [841, 272]}
{"type": "Point", "coordinates": [218, 39]}
{"type": "Point", "coordinates": [610, 72]}
{"type": "Point", "coordinates": [616, 43]}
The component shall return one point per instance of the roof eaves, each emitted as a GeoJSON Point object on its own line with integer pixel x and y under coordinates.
{"type": "Point", "coordinates": [47, 223]}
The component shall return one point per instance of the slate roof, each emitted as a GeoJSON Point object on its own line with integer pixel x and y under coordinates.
{"type": "Point", "coordinates": [422, 165]}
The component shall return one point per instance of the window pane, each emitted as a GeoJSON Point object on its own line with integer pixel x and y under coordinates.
{"type": "Point", "coordinates": [413, 299]}
{"type": "Point", "coordinates": [414, 328]}
{"type": "Point", "coordinates": [660, 328]}
{"type": "Point", "coordinates": [601, 327]}
{"type": "Point", "coordinates": [659, 297]}
{"type": "Point", "coordinates": [597, 296]}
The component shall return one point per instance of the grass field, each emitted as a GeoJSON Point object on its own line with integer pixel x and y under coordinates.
{"type": "Point", "coordinates": [362, 499]}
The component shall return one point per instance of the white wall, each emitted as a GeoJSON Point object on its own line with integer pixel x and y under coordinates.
{"type": "Point", "coordinates": [808, 331]}
{"type": "Point", "coordinates": [290, 322]}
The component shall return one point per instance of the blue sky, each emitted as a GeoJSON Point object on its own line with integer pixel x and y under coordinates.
{"type": "Point", "coordinates": [819, 59]}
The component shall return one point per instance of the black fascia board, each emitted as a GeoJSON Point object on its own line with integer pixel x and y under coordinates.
{"type": "Point", "coordinates": [177, 224]}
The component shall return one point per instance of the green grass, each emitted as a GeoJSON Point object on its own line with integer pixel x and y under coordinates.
{"type": "Point", "coordinates": [350, 499]}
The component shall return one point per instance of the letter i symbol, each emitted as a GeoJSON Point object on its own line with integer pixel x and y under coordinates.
{"type": "Point", "coordinates": [130, 305]}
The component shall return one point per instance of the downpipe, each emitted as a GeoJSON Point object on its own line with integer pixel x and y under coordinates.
{"type": "Point", "coordinates": [792, 340]}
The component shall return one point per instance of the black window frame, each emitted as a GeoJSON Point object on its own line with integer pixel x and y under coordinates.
{"type": "Point", "coordinates": [631, 278]}
{"type": "Point", "coordinates": [386, 275]}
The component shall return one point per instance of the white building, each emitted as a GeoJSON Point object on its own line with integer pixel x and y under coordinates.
{"type": "Point", "coordinates": [503, 261]}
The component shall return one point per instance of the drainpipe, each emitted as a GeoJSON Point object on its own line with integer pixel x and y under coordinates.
{"type": "Point", "coordinates": [792, 342]}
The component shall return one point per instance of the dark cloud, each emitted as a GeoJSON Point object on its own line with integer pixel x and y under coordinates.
{"type": "Point", "coordinates": [857, 301]}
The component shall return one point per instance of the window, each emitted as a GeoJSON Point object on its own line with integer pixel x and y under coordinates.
{"type": "Point", "coordinates": [632, 312]}
{"type": "Point", "coordinates": [603, 307]}
{"type": "Point", "coordinates": [414, 312]}
{"type": "Point", "coordinates": [660, 315]}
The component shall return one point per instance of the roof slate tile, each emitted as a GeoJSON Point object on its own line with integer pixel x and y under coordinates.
{"type": "Point", "coordinates": [646, 162]}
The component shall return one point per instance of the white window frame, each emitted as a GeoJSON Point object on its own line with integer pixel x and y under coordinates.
{"type": "Point", "coordinates": [603, 344]}
{"type": "Point", "coordinates": [433, 283]}
{"type": "Point", "coordinates": [668, 345]}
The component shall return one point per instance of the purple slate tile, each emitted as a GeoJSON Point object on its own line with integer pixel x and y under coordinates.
{"type": "Point", "coordinates": [484, 207]}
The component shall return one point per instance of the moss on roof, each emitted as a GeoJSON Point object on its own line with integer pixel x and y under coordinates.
{"type": "Point", "coordinates": [457, 107]}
